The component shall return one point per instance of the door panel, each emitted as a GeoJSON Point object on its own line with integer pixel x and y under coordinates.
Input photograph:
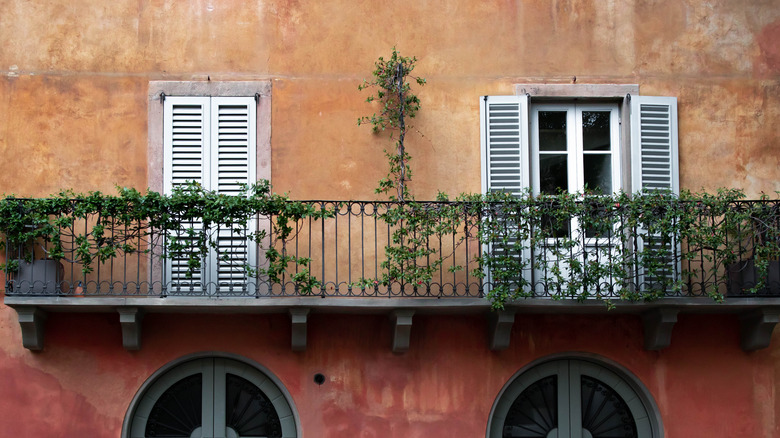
{"type": "Point", "coordinates": [213, 398]}
{"type": "Point", "coordinates": [575, 399]}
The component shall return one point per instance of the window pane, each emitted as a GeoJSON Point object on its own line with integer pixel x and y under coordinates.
{"type": "Point", "coordinates": [535, 411]}
{"type": "Point", "coordinates": [598, 172]}
{"type": "Point", "coordinates": [248, 410]}
{"type": "Point", "coordinates": [177, 413]}
{"type": "Point", "coordinates": [604, 412]}
{"type": "Point", "coordinates": [553, 173]}
{"type": "Point", "coordinates": [552, 130]}
{"type": "Point", "coordinates": [595, 131]}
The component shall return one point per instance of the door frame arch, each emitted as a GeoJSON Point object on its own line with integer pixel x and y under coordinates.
{"type": "Point", "coordinates": [513, 387]}
{"type": "Point", "coordinates": [181, 362]}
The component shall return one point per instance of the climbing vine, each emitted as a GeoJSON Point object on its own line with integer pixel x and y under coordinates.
{"type": "Point", "coordinates": [391, 80]}
{"type": "Point", "coordinates": [95, 228]}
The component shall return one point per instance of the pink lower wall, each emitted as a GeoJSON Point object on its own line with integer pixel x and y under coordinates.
{"type": "Point", "coordinates": [82, 383]}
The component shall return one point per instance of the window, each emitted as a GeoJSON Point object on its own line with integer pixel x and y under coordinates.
{"type": "Point", "coordinates": [210, 140]}
{"type": "Point", "coordinates": [210, 397]}
{"type": "Point", "coordinates": [574, 397]}
{"type": "Point", "coordinates": [575, 147]}
{"type": "Point", "coordinates": [642, 150]}
{"type": "Point", "coordinates": [218, 135]}
{"type": "Point", "coordinates": [576, 138]}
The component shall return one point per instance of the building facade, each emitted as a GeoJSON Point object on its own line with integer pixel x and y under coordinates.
{"type": "Point", "coordinates": [95, 95]}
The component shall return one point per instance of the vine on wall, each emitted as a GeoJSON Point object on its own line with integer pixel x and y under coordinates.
{"type": "Point", "coordinates": [98, 227]}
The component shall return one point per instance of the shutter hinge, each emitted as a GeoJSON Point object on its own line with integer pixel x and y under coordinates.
{"type": "Point", "coordinates": [257, 98]}
{"type": "Point", "coordinates": [162, 97]}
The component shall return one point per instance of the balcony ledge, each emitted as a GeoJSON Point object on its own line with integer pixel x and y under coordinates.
{"type": "Point", "coordinates": [344, 305]}
{"type": "Point", "coordinates": [758, 316]}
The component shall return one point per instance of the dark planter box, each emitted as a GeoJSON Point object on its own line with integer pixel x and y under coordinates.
{"type": "Point", "coordinates": [41, 277]}
{"type": "Point", "coordinates": [743, 276]}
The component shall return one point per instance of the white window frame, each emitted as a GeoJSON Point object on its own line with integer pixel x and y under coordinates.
{"type": "Point", "coordinates": [505, 142]}
{"type": "Point", "coordinates": [158, 169]}
{"type": "Point", "coordinates": [260, 90]}
{"type": "Point", "coordinates": [574, 151]}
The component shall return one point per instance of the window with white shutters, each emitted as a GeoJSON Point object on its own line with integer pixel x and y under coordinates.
{"type": "Point", "coordinates": [542, 147]}
{"type": "Point", "coordinates": [211, 141]}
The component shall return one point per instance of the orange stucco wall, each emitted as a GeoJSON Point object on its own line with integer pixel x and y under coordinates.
{"type": "Point", "coordinates": [73, 109]}
{"type": "Point", "coordinates": [444, 386]}
{"type": "Point", "coordinates": [73, 80]}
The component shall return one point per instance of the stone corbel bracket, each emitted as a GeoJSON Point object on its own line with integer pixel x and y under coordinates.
{"type": "Point", "coordinates": [755, 328]}
{"type": "Point", "coordinates": [658, 324]}
{"type": "Point", "coordinates": [402, 329]}
{"type": "Point", "coordinates": [500, 328]}
{"type": "Point", "coordinates": [299, 317]}
{"type": "Point", "coordinates": [32, 320]}
{"type": "Point", "coordinates": [130, 319]}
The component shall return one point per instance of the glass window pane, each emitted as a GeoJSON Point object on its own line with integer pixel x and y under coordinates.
{"type": "Point", "coordinates": [553, 173]}
{"type": "Point", "coordinates": [552, 130]}
{"type": "Point", "coordinates": [598, 172]}
{"type": "Point", "coordinates": [604, 412]}
{"type": "Point", "coordinates": [248, 411]}
{"type": "Point", "coordinates": [595, 131]}
{"type": "Point", "coordinates": [177, 413]}
{"type": "Point", "coordinates": [535, 411]}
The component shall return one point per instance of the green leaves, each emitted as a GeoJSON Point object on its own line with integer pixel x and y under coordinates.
{"type": "Point", "coordinates": [99, 228]}
{"type": "Point", "coordinates": [576, 246]}
{"type": "Point", "coordinates": [393, 92]}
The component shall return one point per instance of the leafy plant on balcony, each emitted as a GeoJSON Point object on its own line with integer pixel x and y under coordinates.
{"type": "Point", "coordinates": [394, 94]}
{"type": "Point", "coordinates": [561, 246]}
{"type": "Point", "coordinates": [89, 228]}
{"type": "Point", "coordinates": [408, 255]}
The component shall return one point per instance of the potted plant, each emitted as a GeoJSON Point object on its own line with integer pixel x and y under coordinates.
{"type": "Point", "coordinates": [33, 248]}
{"type": "Point", "coordinates": [760, 273]}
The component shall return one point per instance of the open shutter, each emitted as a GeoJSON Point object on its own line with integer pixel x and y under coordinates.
{"type": "Point", "coordinates": [504, 141]}
{"type": "Point", "coordinates": [504, 153]}
{"type": "Point", "coordinates": [233, 165]}
{"type": "Point", "coordinates": [654, 159]}
{"type": "Point", "coordinates": [186, 133]}
{"type": "Point", "coordinates": [654, 144]}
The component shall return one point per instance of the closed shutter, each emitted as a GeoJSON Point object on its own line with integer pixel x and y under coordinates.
{"type": "Point", "coordinates": [186, 158]}
{"type": "Point", "coordinates": [505, 168]}
{"type": "Point", "coordinates": [211, 141]}
{"type": "Point", "coordinates": [233, 165]}
{"type": "Point", "coordinates": [654, 158]}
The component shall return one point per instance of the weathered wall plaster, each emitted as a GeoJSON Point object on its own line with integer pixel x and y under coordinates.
{"type": "Point", "coordinates": [73, 109]}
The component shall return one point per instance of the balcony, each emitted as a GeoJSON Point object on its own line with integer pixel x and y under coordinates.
{"type": "Point", "coordinates": [654, 257]}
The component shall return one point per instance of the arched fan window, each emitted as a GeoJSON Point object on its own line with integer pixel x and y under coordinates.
{"type": "Point", "coordinates": [212, 397]}
{"type": "Point", "coordinates": [580, 398]}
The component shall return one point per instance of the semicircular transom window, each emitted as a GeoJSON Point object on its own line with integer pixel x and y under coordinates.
{"type": "Point", "coordinates": [570, 398]}
{"type": "Point", "coordinates": [213, 397]}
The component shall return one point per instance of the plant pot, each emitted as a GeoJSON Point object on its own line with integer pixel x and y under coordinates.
{"type": "Point", "coordinates": [743, 276]}
{"type": "Point", "coordinates": [40, 277]}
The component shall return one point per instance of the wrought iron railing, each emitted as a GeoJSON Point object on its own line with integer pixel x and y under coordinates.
{"type": "Point", "coordinates": [460, 249]}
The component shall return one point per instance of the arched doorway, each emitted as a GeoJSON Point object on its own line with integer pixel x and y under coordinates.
{"type": "Point", "coordinates": [204, 397]}
{"type": "Point", "coordinates": [574, 397]}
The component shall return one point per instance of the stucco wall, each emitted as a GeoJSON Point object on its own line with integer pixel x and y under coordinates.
{"type": "Point", "coordinates": [73, 86]}
{"type": "Point", "coordinates": [83, 381]}
{"type": "Point", "coordinates": [74, 77]}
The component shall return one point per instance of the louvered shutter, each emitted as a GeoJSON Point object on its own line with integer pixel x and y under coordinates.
{"type": "Point", "coordinates": [504, 122]}
{"type": "Point", "coordinates": [186, 134]}
{"type": "Point", "coordinates": [233, 164]}
{"type": "Point", "coordinates": [504, 153]}
{"type": "Point", "coordinates": [654, 159]}
{"type": "Point", "coordinates": [654, 143]}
